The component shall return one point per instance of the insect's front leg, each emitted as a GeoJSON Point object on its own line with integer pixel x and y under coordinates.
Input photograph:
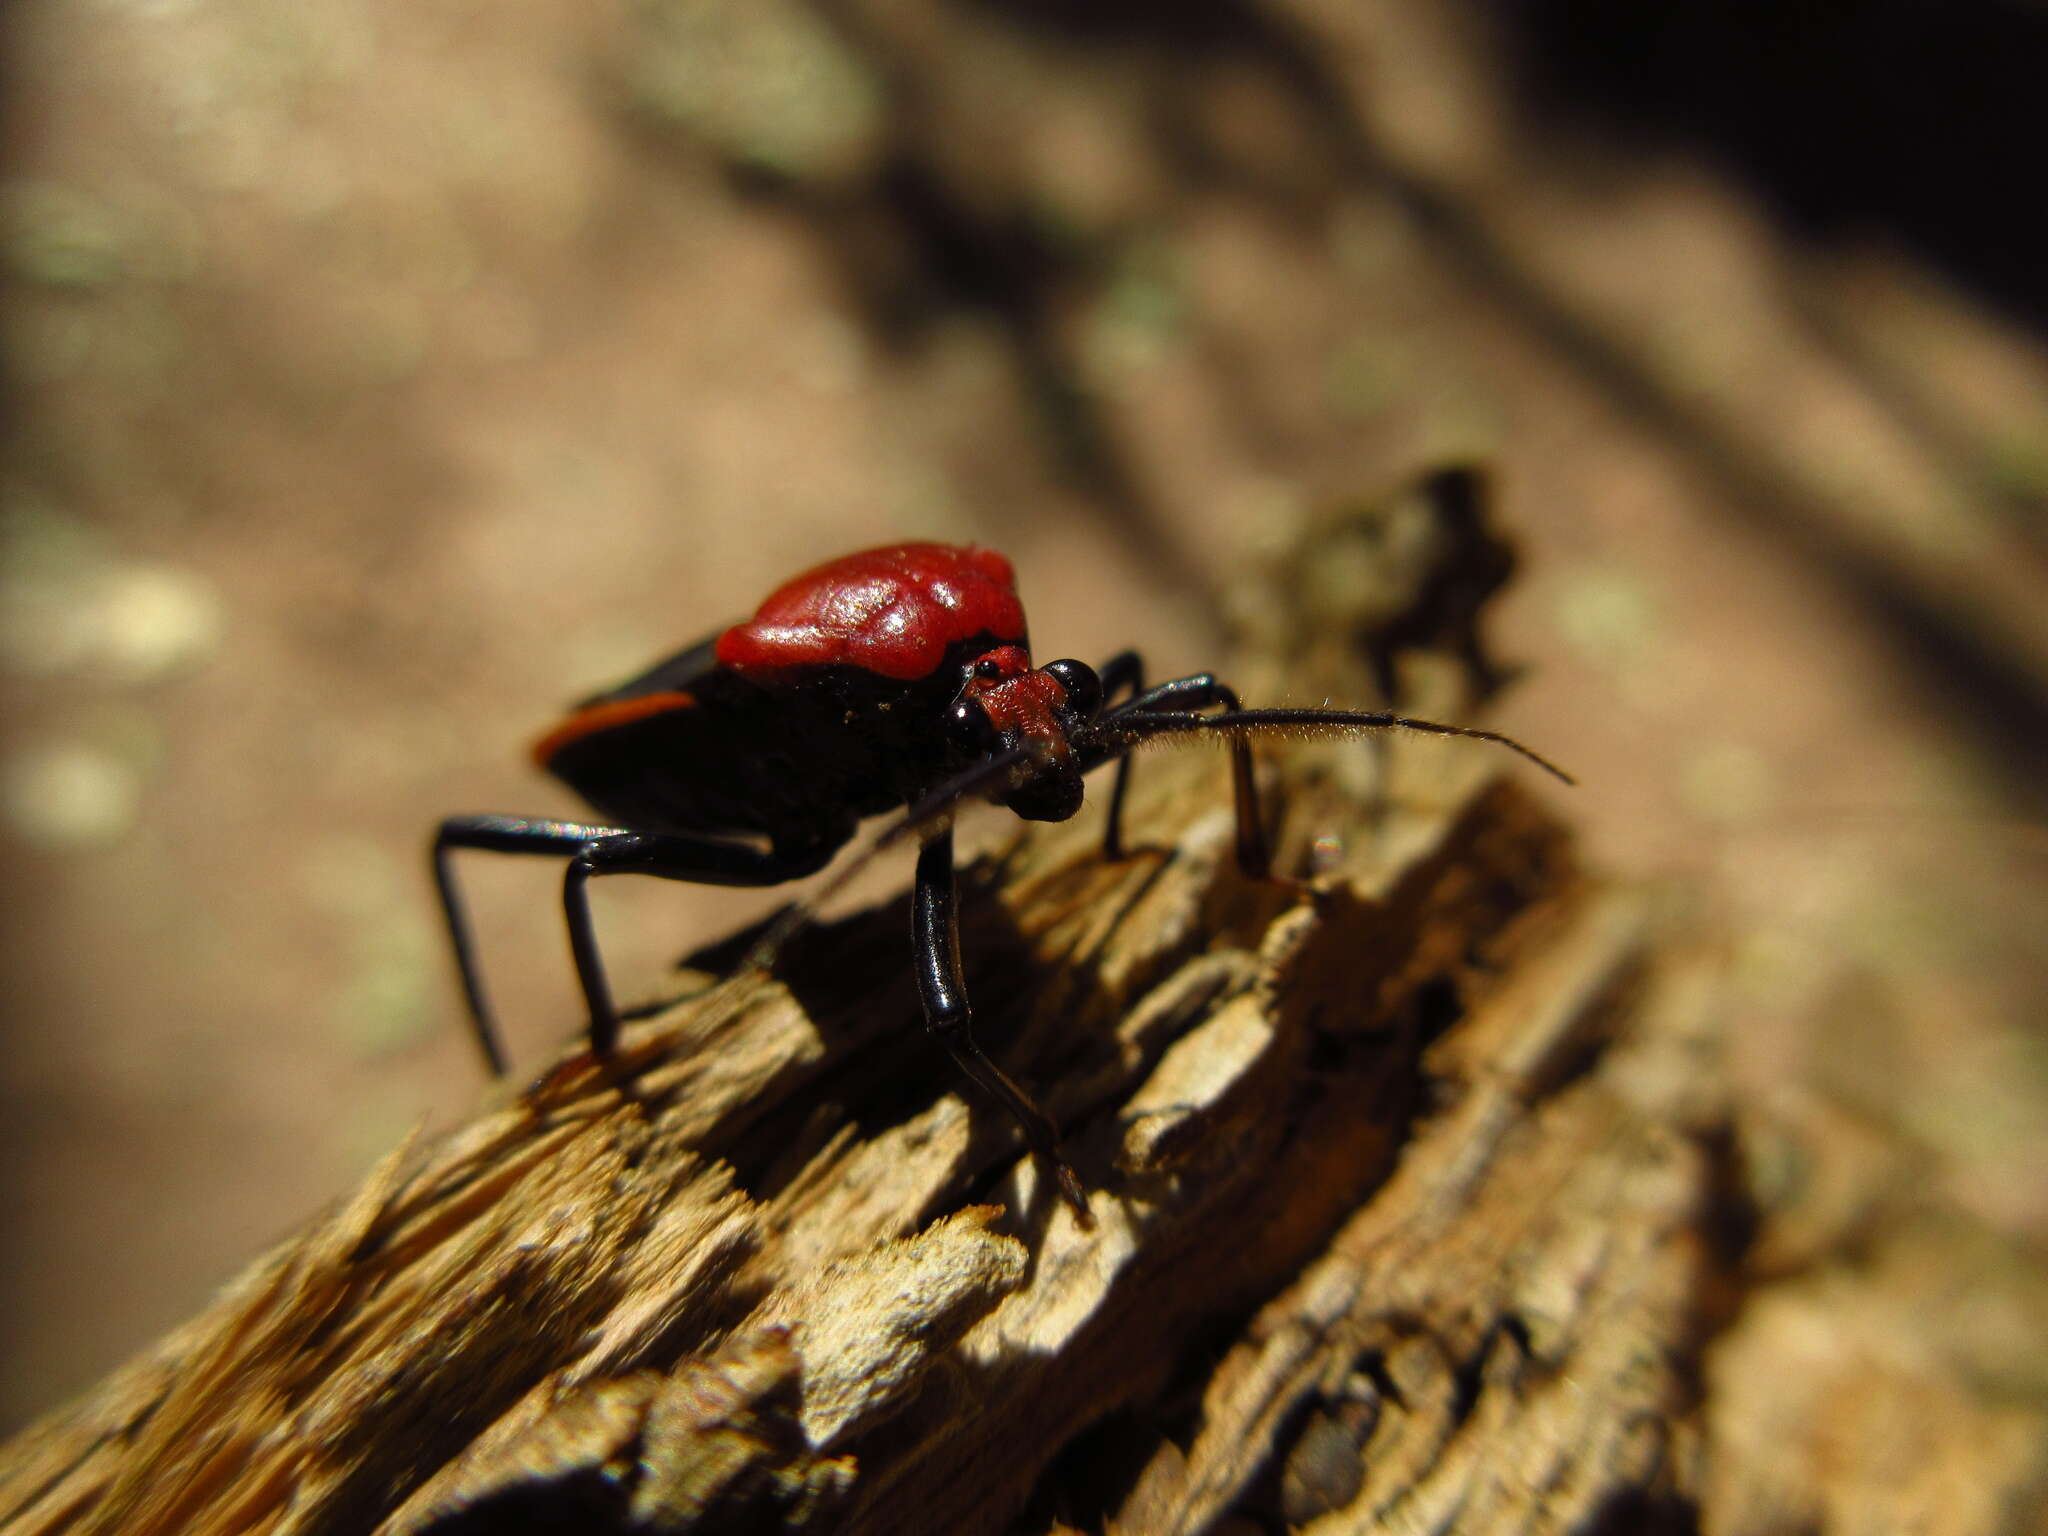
{"type": "Point", "coordinates": [1202, 691]}
{"type": "Point", "coordinates": [1126, 669]}
{"type": "Point", "coordinates": [935, 945]}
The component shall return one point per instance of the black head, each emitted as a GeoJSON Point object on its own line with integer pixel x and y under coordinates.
{"type": "Point", "coordinates": [1005, 705]}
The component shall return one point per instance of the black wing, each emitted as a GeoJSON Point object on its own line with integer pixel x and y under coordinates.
{"type": "Point", "coordinates": [679, 673]}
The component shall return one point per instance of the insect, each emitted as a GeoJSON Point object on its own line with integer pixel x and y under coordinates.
{"type": "Point", "coordinates": [897, 678]}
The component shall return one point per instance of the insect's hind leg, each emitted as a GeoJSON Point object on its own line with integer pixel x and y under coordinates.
{"type": "Point", "coordinates": [495, 834]}
{"type": "Point", "coordinates": [591, 850]}
{"type": "Point", "coordinates": [694, 860]}
{"type": "Point", "coordinates": [935, 956]}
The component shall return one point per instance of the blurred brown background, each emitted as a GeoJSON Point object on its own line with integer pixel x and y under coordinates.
{"type": "Point", "coordinates": [382, 376]}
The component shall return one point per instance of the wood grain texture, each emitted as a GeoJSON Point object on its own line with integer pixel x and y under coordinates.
{"type": "Point", "coordinates": [1422, 1199]}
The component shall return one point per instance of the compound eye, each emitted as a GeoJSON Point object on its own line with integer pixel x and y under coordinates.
{"type": "Point", "coordinates": [1083, 688]}
{"type": "Point", "coordinates": [969, 728]}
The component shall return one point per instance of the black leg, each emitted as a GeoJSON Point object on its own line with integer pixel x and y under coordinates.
{"type": "Point", "coordinates": [935, 955]}
{"type": "Point", "coordinates": [694, 860]}
{"type": "Point", "coordinates": [1126, 669]}
{"type": "Point", "coordinates": [498, 834]}
{"type": "Point", "coordinates": [1202, 691]}
{"type": "Point", "coordinates": [591, 850]}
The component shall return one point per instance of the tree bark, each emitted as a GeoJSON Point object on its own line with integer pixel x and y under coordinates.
{"type": "Point", "coordinates": [1421, 1203]}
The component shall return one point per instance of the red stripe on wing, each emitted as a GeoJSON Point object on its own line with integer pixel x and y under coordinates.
{"type": "Point", "coordinates": [599, 718]}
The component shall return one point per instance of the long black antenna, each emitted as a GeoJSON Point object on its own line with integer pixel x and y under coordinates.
{"type": "Point", "coordinates": [1138, 728]}
{"type": "Point", "coordinates": [1110, 736]}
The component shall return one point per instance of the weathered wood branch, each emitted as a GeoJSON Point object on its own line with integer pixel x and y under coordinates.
{"type": "Point", "coordinates": [1419, 1206]}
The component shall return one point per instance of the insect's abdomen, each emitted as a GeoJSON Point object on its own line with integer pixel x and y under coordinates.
{"type": "Point", "coordinates": [790, 762]}
{"type": "Point", "coordinates": [796, 754]}
{"type": "Point", "coordinates": [674, 761]}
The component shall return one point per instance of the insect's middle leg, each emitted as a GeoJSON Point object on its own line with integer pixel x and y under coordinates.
{"type": "Point", "coordinates": [935, 941]}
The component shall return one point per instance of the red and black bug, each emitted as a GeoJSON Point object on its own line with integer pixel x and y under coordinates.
{"type": "Point", "coordinates": [893, 678]}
